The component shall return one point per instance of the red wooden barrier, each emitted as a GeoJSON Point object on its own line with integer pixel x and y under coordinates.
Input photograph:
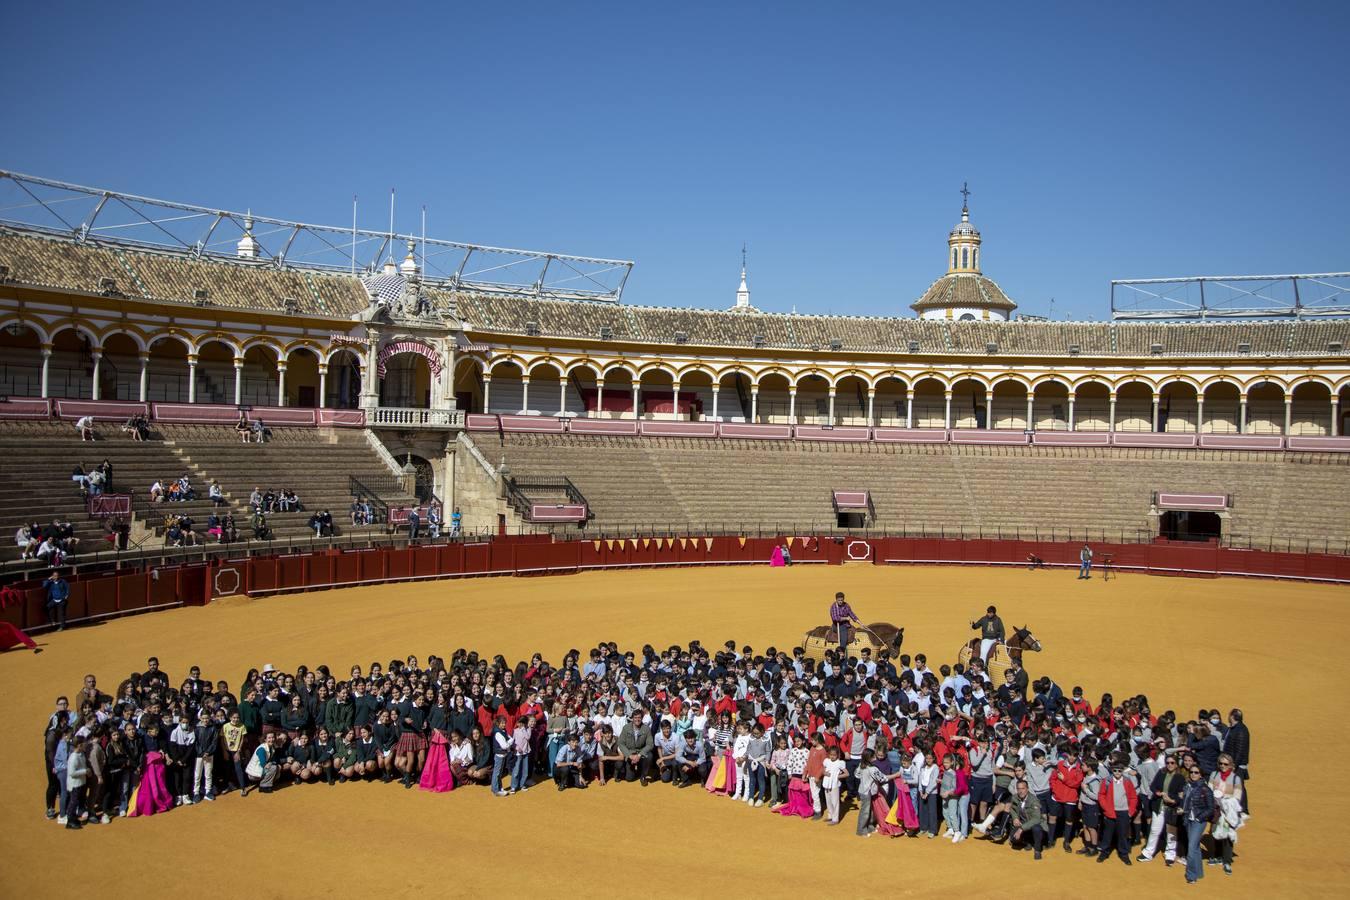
{"type": "Point", "coordinates": [103, 595]}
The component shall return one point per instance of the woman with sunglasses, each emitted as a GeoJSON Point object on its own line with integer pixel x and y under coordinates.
{"type": "Point", "coordinates": [1168, 786]}
{"type": "Point", "coordinates": [1197, 809]}
{"type": "Point", "coordinates": [1227, 786]}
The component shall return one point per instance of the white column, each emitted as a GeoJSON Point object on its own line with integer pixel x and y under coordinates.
{"type": "Point", "coordinates": [1031, 411]}
{"type": "Point", "coordinates": [1111, 423]}
{"type": "Point", "coordinates": [1155, 412]}
{"type": "Point", "coordinates": [792, 405]}
{"type": "Point", "coordinates": [281, 383]}
{"type": "Point", "coordinates": [717, 389]}
{"type": "Point", "coordinates": [637, 387]}
{"type": "Point", "coordinates": [95, 391]}
{"type": "Point", "coordinates": [524, 393]}
{"type": "Point", "coordinates": [871, 405]}
{"type": "Point", "coordinates": [989, 409]}
{"type": "Point", "coordinates": [1335, 415]}
{"type": "Point", "coordinates": [238, 380]}
{"type": "Point", "coordinates": [192, 377]}
{"type": "Point", "coordinates": [46, 365]}
{"type": "Point", "coordinates": [1242, 414]}
{"type": "Point", "coordinates": [675, 400]}
{"type": "Point", "coordinates": [599, 398]}
{"type": "Point", "coordinates": [1071, 411]}
{"type": "Point", "coordinates": [487, 392]}
{"type": "Point", "coordinates": [323, 384]}
{"type": "Point", "coordinates": [1288, 414]}
{"type": "Point", "coordinates": [145, 375]}
{"type": "Point", "coordinates": [832, 422]}
{"type": "Point", "coordinates": [562, 394]}
{"type": "Point", "coordinates": [1199, 413]}
{"type": "Point", "coordinates": [909, 409]}
{"type": "Point", "coordinates": [947, 415]}
{"type": "Point", "coordinates": [754, 403]}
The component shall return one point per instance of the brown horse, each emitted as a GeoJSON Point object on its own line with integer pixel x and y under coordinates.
{"type": "Point", "coordinates": [1002, 655]}
{"type": "Point", "coordinates": [877, 635]}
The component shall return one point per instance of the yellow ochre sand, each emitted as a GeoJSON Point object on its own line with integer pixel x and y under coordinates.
{"type": "Point", "coordinates": [1277, 650]}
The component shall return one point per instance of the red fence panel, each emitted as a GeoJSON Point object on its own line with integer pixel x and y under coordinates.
{"type": "Point", "coordinates": [373, 564]}
{"type": "Point", "coordinates": [476, 558]}
{"type": "Point", "coordinates": [399, 562]}
{"type": "Point", "coordinates": [262, 574]}
{"type": "Point", "coordinates": [319, 569]}
{"type": "Point", "coordinates": [101, 595]}
{"type": "Point", "coordinates": [452, 559]}
{"type": "Point", "coordinates": [346, 568]}
{"type": "Point", "coordinates": [164, 589]}
{"type": "Point", "coordinates": [291, 571]}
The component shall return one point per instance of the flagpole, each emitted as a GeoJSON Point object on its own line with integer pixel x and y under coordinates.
{"type": "Point", "coordinates": [424, 240]}
{"type": "Point", "coordinates": [391, 224]}
{"type": "Point", "coordinates": [353, 234]}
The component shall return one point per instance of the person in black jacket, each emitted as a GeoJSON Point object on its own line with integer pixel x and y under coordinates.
{"type": "Point", "coordinates": [271, 711]}
{"type": "Point", "coordinates": [1238, 744]}
{"type": "Point", "coordinates": [208, 745]}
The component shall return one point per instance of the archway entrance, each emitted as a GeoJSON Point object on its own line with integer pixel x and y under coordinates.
{"type": "Point", "coordinates": [1189, 525]}
{"type": "Point", "coordinates": [425, 485]}
{"type": "Point", "coordinates": [406, 381]}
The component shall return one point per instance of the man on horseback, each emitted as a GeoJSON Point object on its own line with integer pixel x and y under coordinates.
{"type": "Point", "coordinates": [841, 615]}
{"type": "Point", "coordinates": [990, 627]}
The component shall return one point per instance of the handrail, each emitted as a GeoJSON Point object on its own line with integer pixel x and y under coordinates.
{"type": "Point", "coordinates": [517, 491]}
{"type": "Point", "coordinates": [358, 489]}
{"type": "Point", "coordinates": [489, 468]}
{"type": "Point", "coordinates": [383, 453]}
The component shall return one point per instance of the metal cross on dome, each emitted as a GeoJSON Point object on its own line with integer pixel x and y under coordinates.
{"type": "Point", "coordinates": [965, 193]}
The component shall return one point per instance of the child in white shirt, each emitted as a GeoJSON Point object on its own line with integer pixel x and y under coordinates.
{"type": "Point", "coordinates": [740, 754]}
{"type": "Point", "coordinates": [835, 772]}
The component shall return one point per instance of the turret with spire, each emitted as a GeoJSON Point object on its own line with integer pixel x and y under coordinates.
{"type": "Point", "coordinates": [743, 292]}
{"type": "Point", "coordinates": [247, 248]}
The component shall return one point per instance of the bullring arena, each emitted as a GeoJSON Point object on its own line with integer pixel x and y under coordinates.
{"type": "Point", "coordinates": [1270, 632]}
{"type": "Point", "coordinates": [249, 460]}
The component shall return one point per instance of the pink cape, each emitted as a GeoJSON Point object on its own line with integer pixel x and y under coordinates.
{"type": "Point", "coordinates": [152, 794]}
{"type": "Point", "coordinates": [799, 799]}
{"type": "Point", "coordinates": [777, 558]}
{"type": "Point", "coordinates": [722, 764]}
{"type": "Point", "coordinates": [436, 775]}
{"type": "Point", "coordinates": [11, 636]}
{"type": "Point", "coordinates": [901, 813]}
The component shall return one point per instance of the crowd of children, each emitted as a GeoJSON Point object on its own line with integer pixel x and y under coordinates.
{"type": "Point", "coordinates": [917, 752]}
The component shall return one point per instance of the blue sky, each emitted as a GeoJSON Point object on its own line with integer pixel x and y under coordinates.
{"type": "Point", "coordinates": [1100, 142]}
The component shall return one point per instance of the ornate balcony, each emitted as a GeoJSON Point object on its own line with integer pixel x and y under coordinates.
{"type": "Point", "coordinates": [415, 417]}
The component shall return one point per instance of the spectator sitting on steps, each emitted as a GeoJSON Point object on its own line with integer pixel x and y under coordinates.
{"type": "Point", "coordinates": [259, 431]}
{"type": "Point", "coordinates": [261, 531]}
{"type": "Point", "coordinates": [242, 427]}
{"type": "Point", "coordinates": [85, 426]}
{"type": "Point", "coordinates": [216, 494]}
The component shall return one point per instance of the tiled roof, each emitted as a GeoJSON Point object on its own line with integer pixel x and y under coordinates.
{"type": "Point", "coordinates": [963, 290]}
{"type": "Point", "coordinates": [45, 261]}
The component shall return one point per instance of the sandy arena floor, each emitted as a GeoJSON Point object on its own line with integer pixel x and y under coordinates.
{"type": "Point", "coordinates": [1277, 650]}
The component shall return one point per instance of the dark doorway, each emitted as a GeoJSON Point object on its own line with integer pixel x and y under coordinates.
{"type": "Point", "coordinates": [1186, 525]}
{"type": "Point", "coordinates": [851, 519]}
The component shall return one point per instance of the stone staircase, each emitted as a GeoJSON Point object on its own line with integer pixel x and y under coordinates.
{"type": "Point", "coordinates": [36, 460]}
{"type": "Point", "coordinates": [316, 463]}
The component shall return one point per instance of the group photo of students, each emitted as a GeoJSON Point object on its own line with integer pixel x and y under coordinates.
{"type": "Point", "coordinates": [908, 751]}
